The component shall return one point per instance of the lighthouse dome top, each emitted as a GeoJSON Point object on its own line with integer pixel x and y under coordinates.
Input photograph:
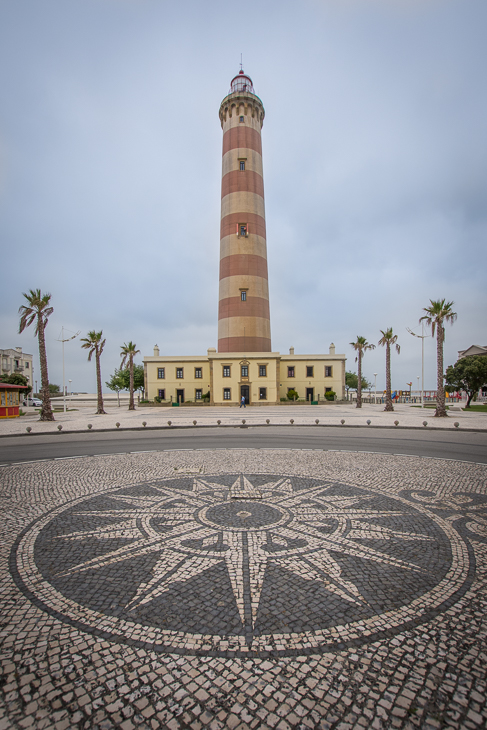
{"type": "Point", "coordinates": [242, 82]}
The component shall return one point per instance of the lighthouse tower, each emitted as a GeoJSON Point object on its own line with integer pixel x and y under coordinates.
{"type": "Point", "coordinates": [243, 306]}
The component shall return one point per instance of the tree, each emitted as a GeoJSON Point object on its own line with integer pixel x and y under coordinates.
{"type": "Point", "coordinates": [54, 389]}
{"type": "Point", "coordinates": [127, 354]}
{"type": "Point", "coordinates": [94, 343]}
{"type": "Point", "coordinates": [468, 374]}
{"type": "Point", "coordinates": [117, 383]}
{"type": "Point", "coordinates": [438, 312]}
{"type": "Point", "coordinates": [360, 346]}
{"type": "Point", "coordinates": [138, 377]}
{"type": "Point", "coordinates": [17, 379]}
{"type": "Point", "coordinates": [351, 381]}
{"type": "Point", "coordinates": [38, 308]}
{"type": "Point", "coordinates": [387, 340]}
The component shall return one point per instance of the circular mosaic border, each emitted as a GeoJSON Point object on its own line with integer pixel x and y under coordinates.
{"type": "Point", "coordinates": [423, 608]}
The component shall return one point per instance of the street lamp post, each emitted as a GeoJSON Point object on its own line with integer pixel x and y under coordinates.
{"type": "Point", "coordinates": [63, 341]}
{"type": "Point", "coordinates": [418, 382]}
{"type": "Point", "coordinates": [70, 388]}
{"type": "Point", "coordinates": [375, 388]}
{"type": "Point", "coordinates": [422, 338]}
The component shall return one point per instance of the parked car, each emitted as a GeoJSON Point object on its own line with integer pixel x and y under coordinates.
{"type": "Point", "coordinates": [32, 402]}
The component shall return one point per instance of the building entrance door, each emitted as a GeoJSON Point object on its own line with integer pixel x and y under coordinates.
{"type": "Point", "coordinates": [180, 396]}
{"type": "Point", "coordinates": [309, 393]}
{"type": "Point", "coordinates": [245, 392]}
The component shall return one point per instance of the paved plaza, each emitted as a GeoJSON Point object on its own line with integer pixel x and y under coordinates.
{"type": "Point", "coordinates": [331, 414]}
{"type": "Point", "coordinates": [244, 589]}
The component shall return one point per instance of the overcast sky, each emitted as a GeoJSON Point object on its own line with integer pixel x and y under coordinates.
{"type": "Point", "coordinates": [375, 160]}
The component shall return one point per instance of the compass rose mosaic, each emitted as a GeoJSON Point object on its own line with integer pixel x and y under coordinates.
{"type": "Point", "coordinates": [242, 564]}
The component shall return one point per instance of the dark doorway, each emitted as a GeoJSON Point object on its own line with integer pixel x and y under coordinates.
{"type": "Point", "coordinates": [309, 393]}
{"type": "Point", "coordinates": [245, 392]}
{"type": "Point", "coordinates": [180, 396]}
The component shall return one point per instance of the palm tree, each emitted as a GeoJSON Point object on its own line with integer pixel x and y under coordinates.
{"type": "Point", "coordinates": [389, 338]}
{"type": "Point", "coordinates": [360, 347]}
{"type": "Point", "coordinates": [438, 312]}
{"type": "Point", "coordinates": [95, 344]}
{"type": "Point", "coordinates": [38, 309]}
{"type": "Point", "coordinates": [127, 354]}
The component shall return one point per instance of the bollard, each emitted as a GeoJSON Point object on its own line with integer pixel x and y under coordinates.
{"type": "Point", "coordinates": [90, 426]}
{"type": "Point", "coordinates": [117, 424]}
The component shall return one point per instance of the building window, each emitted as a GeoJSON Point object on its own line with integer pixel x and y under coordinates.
{"type": "Point", "coordinates": [262, 371]}
{"type": "Point", "coordinates": [198, 372]}
{"type": "Point", "coordinates": [242, 165]}
{"type": "Point", "coordinates": [309, 371]}
{"type": "Point", "coordinates": [245, 371]}
{"type": "Point", "coordinates": [179, 373]}
{"type": "Point", "coordinates": [328, 371]}
{"type": "Point", "coordinates": [16, 363]}
{"type": "Point", "coordinates": [290, 371]}
{"type": "Point", "coordinates": [226, 371]}
{"type": "Point", "coordinates": [241, 119]}
{"type": "Point", "coordinates": [262, 393]}
{"type": "Point", "coordinates": [162, 394]}
{"type": "Point", "coordinates": [243, 229]}
{"type": "Point", "coordinates": [226, 394]}
{"type": "Point", "coordinates": [161, 373]}
{"type": "Point", "coordinates": [243, 296]}
{"type": "Point", "coordinates": [26, 365]}
{"type": "Point", "coordinates": [327, 390]}
{"type": "Point", "coordinates": [198, 394]}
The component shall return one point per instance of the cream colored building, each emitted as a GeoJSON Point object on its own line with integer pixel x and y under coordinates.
{"type": "Point", "coordinates": [13, 360]}
{"type": "Point", "coordinates": [262, 378]}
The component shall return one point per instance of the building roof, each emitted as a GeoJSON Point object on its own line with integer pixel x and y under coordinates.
{"type": "Point", "coordinates": [12, 385]}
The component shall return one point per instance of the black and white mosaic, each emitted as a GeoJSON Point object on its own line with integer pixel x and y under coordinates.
{"type": "Point", "coordinates": [293, 565]}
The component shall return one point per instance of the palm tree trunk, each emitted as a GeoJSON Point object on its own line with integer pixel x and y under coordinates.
{"type": "Point", "coordinates": [131, 385]}
{"type": "Point", "coordinates": [389, 406]}
{"type": "Point", "coordinates": [100, 409]}
{"type": "Point", "coordinates": [359, 382]}
{"type": "Point", "coordinates": [46, 410]}
{"type": "Point", "coordinates": [440, 398]}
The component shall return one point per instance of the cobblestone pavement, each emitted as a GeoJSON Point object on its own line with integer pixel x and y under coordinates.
{"type": "Point", "coordinates": [244, 589]}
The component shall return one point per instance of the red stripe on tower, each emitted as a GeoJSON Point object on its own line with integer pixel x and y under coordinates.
{"type": "Point", "coordinates": [243, 312]}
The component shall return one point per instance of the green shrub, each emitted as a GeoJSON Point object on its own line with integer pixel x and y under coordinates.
{"type": "Point", "coordinates": [292, 394]}
{"type": "Point", "coordinates": [330, 395]}
{"type": "Point", "coordinates": [157, 399]}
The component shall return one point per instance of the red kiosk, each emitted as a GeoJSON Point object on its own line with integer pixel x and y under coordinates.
{"type": "Point", "coordinates": [9, 400]}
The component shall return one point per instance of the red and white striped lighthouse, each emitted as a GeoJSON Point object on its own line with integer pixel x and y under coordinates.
{"type": "Point", "coordinates": [243, 306]}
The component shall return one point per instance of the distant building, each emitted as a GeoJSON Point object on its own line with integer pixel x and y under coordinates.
{"type": "Point", "coordinates": [16, 361]}
{"type": "Point", "coordinates": [244, 365]}
{"type": "Point", "coordinates": [473, 350]}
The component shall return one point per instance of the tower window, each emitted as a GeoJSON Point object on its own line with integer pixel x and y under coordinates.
{"type": "Point", "coordinates": [242, 164]}
{"type": "Point", "coordinates": [241, 119]}
{"type": "Point", "coordinates": [243, 230]}
{"type": "Point", "coordinates": [243, 296]}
